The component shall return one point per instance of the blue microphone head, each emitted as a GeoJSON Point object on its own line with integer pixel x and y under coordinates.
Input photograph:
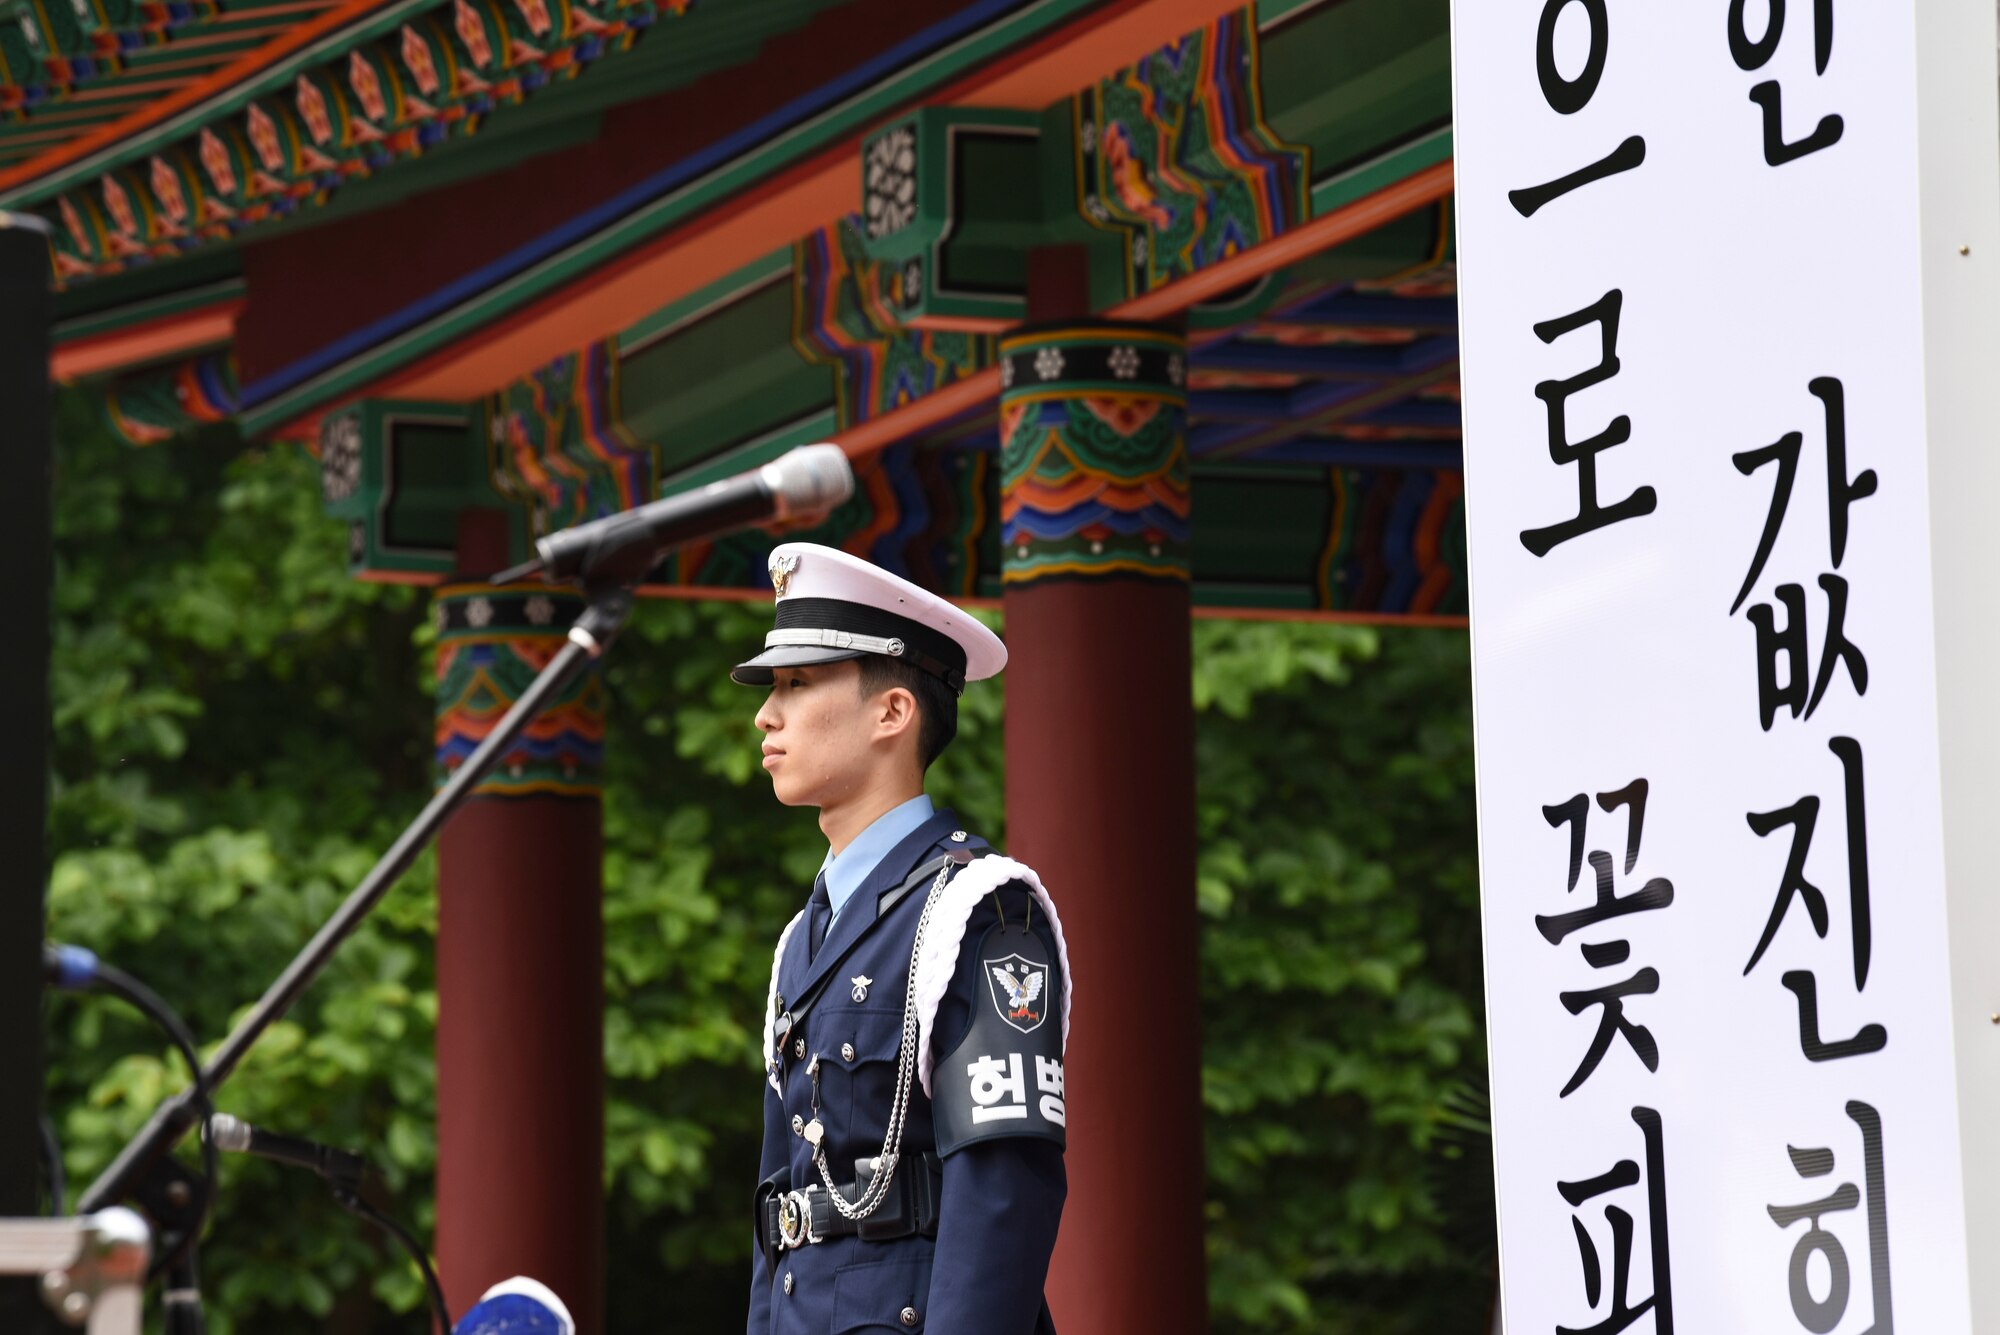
{"type": "Point", "coordinates": [69, 968]}
{"type": "Point", "coordinates": [517, 1306]}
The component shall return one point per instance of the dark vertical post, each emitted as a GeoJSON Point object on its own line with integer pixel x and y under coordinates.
{"type": "Point", "coordinates": [520, 954]}
{"type": "Point", "coordinates": [1100, 783]}
{"type": "Point", "coordinates": [25, 536]}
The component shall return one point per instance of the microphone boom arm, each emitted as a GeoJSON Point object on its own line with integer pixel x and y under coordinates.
{"type": "Point", "coordinates": [595, 629]}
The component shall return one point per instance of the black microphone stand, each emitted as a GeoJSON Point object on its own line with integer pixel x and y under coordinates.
{"type": "Point", "coordinates": [177, 1200]}
{"type": "Point", "coordinates": [608, 588]}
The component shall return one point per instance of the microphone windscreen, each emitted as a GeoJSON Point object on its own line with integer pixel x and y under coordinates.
{"type": "Point", "coordinates": [518, 1306]}
{"type": "Point", "coordinates": [810, 478]}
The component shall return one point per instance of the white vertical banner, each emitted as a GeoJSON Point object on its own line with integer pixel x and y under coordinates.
{"type": "Point", "coordinates": [1700, 442]}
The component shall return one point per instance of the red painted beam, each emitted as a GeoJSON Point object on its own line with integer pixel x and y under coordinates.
{"type": "Point", "coordinates": [152, 341]}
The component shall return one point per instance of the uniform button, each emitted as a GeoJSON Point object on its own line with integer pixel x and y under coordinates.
{"type": "Point", "coordinates": [847, 1052]}
{"type": "Point", "coordinates": [788, 1283]}
{"type": "Point", "coordinates": [799, 1048]}
{"type": "Point", "coordinates": [909, 1316]}
{"type": "Point", "coordinates": [798, 1125]}
{"type": "Point", "coordinates": [957, 837]}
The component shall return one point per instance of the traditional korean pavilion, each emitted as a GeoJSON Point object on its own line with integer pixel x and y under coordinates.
{"type": "Point", "coordinates": [1127, 311]}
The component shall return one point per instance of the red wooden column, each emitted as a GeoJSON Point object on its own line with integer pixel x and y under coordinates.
{"type": "Point", "coordinates": [1100, 794]}
{"type": "Point", "coordinates": [520, 954]}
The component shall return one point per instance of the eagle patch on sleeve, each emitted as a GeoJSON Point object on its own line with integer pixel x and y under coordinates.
{"type": "Point", "coordinates": [1021, 982]}
{"type": "Point", "coordinates": [1005, 1078]}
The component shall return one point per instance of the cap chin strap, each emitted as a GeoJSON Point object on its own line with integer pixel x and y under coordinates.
{"type": "Point", "coordinates": [821, 638]}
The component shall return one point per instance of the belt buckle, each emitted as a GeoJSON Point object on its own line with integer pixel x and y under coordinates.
{"type": "Point", "coordinates": [795, 1219]}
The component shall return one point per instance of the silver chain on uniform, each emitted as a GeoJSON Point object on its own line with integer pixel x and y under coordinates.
{"type": "Point", "coordinates": [906, 1072]}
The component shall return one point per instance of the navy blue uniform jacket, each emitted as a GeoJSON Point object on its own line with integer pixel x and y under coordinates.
{"type": "Point", "coordinates": [1002, 1199]}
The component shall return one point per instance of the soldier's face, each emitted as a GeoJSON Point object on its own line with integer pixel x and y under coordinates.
{"type": "Point", "coordinates": [817, 733]}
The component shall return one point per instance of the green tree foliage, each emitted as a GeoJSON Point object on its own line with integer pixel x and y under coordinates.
{"type": "Point", "coordinates": [1340, 960]}
{"type": "Point", "coordinates": [240, 727]}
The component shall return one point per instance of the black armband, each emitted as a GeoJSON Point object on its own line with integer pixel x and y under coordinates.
{"type": "Point", "coordinates": [1005, 1079]}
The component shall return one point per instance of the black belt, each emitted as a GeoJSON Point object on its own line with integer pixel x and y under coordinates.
{"type": "Point", "coordinates": [792, 1219]}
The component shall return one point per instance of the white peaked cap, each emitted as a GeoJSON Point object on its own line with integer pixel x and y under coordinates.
{"type": "Point", "coordinates": [833, 606]}
{"type": "Point", "coordinates": [533, 1293]}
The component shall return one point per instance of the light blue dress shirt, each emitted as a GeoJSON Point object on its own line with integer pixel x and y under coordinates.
{"type": "Point", "coordinates": [844, 874]}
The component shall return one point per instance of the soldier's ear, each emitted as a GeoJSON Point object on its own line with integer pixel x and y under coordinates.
{"type": "Point", "coordinates": [896, 712]}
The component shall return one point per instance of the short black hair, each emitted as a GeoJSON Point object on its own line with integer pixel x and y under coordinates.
{"type": "Point", "coordinates": [937, 703]}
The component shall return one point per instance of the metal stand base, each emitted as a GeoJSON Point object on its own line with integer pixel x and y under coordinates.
{"type": "Point", "coordinates": [92, 1270]}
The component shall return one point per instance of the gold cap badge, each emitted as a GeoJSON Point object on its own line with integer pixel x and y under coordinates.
{"type": "Point", "coordinates": [781, 571]}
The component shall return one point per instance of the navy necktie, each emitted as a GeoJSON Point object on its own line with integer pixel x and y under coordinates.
{"type": "Point", "coordinates": [819, 914]}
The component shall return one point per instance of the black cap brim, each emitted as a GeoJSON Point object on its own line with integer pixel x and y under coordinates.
{"type": "Point", "coordinates": [757, 671]}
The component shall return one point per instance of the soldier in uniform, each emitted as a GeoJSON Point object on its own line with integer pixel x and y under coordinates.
{"type": "Point", "coordinates": [912, 1173]}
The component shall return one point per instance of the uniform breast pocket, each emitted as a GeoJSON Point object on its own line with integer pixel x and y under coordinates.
{"type": "Point", "coordinates": [858, 1048]}
{"type": "Point", "coordinates": [881, 1295]}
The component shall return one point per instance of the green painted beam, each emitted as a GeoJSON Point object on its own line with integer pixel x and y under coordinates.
{"type": "Point", "coordinates": [676, 315]}
{"type": "Point", "coordinates": [722, 379]}
{"type": "Point", "coordinates": [1353, 79]}
{"type": "Point", "coordinates": [1271, 13]}
{"type": "Point", "coordinates": [808, 430]}
{"type": "Point", "coordinates": [176, 302]}
{"type": "Point", "coordinates": [209, 53]}
{"type": "Point", "coordinates": [126, 299]}
{"type": "Point", "coordinates": [1337, 191]}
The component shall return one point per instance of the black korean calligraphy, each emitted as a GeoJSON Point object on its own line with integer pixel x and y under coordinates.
{"type": "Point", "coordinates": [1802, 817]}
{"type": "Point", "coordinates": [1789, 646]}
{"type": "Point", "coordinates": [1820, 1314]}
{"type": "Point", "coordinates": [1611, 1020]}
{"type": "Point", "coordinates": [1607, 904]}
{"type": "Point", "coordinates": [1842, 491]}
{"type": "Point", "coordinates": [1752, 54]}
{"type": "Point", "coordinates": [1567, 96]}
{"type": "Point", "coordinates": [1555, 395]}
{"type": "Point", "coordinates": [1621, 1175]}
{"type": "Point", "coordinates": [1820, 1278]}
{"type": "Point", "coordinates": [1803, 985]}
{"type": "Point", "coordinates": [1799, 689]}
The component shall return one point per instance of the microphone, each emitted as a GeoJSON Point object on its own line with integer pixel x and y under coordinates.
{"type": "Point", "coordinates": [623, 547]}
{"type": "Point", "coordinates": [68, 968]}
{"type": "Point", "coordinates": [517, 1306]}
{"type": "Point", "coordinates": [341, 1167]}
